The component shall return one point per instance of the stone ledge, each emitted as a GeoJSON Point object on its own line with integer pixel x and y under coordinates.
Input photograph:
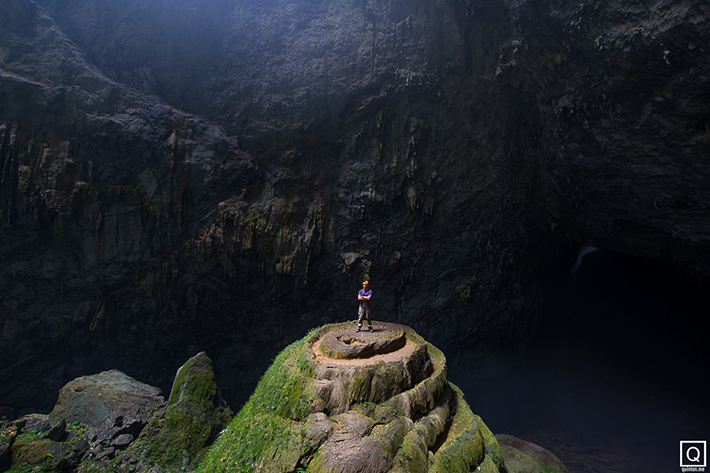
{"type": "Point", "coordinates": [345, 343]}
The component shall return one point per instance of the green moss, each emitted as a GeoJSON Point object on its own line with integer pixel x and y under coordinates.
{"type": "Point", "coordinates": [463, 449]}
{"type": "Point", "coordinates": [270, 428]}
{"type": "Point", "coordinates": [488, 466]}
{"type": "Point", "coordinates": [413, 454]}
{"type": "Point", "coordinates": [40, 455]}
{"type": "Point", "coordinates": [191, 422]}
{"type": "Point", "coordinates": [493, 450]}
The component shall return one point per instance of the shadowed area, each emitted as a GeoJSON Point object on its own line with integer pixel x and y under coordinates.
{"type": "Point", "coordinates": [616, 373]}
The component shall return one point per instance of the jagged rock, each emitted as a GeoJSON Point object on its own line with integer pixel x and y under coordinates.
{"type": "Point", "coordinates": [110, 403]}
{"type": "Point", "coordinates": [391, 412]}
{"type": "Point", "coordinates": [57, 432]}
{"type": "Point", "coordinates": [81, 446]}
{"type": "Point", "coordinates": [106, 453]}
{"type": "Point", "coordinates": [196, 413]}
{"type": "Point", "coordinates": [122, 441]}
{"type": "Point", "coordinates": [33, 423]}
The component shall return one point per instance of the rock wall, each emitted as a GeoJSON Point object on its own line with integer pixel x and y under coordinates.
{"type": "Point", "coordinates": [185, 176]}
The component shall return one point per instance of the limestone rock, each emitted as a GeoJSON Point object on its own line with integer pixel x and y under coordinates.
{"type": "Point", "coordinates": [346, 344]}
{"type": "Point", "coordinates": [590, 123]}
{"type": "Point", "coordinates": [390, 412]}
{"type": "Point", "coordinates": [110, 403]}
{"type": "Point", "coordinates": [196, 413]}
{"type": "Point", "coordinates": [57, 432]}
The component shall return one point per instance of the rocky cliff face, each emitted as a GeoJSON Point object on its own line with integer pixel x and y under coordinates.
{"type": "Point", "coordinates": [178, 176]}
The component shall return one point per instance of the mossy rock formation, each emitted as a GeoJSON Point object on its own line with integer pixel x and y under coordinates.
{"type": "Point", "coordinates": [388, 408]}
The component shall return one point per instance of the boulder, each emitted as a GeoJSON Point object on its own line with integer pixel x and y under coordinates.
{"type": "Point", "coordinates": [57, 432]}
{"type": "Point", "coordinates": [110, 403]}
{"type": "Point", "coordinates": [525, 457]}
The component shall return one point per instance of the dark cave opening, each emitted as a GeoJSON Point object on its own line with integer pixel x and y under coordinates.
{"type": "Point", "coordinates": [616, 373]}
{"type": "Point", "coordinates": [639, 311]}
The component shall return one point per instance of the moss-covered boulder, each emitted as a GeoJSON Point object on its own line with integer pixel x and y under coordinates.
{"type": "Point", "coordinates": [195, 415]}
{"type": "Point", "coordinates": [389, 411]}
{"type": "Point", "coordinates": [525, 457]}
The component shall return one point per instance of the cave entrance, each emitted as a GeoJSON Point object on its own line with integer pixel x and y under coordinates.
{"type": "Point", "coordinates": [616, 373]}
{"type": "Point", "coordinates": [620, 360]}
{"type": "Point", "coordinates": [633, 311]}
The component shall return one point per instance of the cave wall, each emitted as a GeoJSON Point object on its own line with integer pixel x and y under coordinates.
{"type": "Point", "coordinates": [186, 176]}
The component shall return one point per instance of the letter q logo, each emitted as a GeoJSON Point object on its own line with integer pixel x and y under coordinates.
{"type": "Point", "coordinates": [693, 453]}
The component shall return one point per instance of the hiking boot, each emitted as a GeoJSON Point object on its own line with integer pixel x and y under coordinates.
{"type": "Point", "coordinates": [371, 329]}
{"type": "Point", "coordinates": [358, 330]}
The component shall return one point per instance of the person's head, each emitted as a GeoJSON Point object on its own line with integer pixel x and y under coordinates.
{"type": "Point", "coordinates": [365, 284]}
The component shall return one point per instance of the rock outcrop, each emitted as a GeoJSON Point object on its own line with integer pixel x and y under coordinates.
{"type": "Point", "coordinates": [111, 422]}
{"type": "Point", "coordinates": [195, 415]}
{"type": "Point", "coordinates": [388, 410]}
{"type": "Point", "coordinates": [110, 404]}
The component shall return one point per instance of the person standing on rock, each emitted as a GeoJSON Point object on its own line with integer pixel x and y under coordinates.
{"type": "Point", "coordinates": [364, 297]}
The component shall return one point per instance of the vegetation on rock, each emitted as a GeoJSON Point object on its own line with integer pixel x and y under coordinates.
{"type": "Point", "coordinates": [195, 415]}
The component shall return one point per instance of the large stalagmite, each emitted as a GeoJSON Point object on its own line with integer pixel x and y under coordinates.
{"type": "Point", "coordinates": [339, 401]}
